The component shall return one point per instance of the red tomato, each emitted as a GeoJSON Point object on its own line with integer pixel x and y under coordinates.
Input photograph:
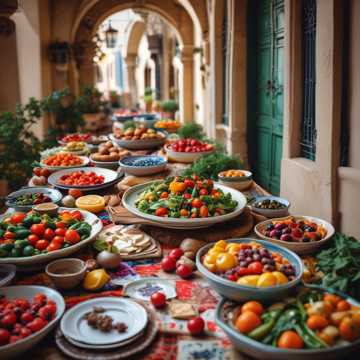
{"type": "Point", "coordinates": [176, 253]}
{"type": "Point", "coordinates": [255, 268]}
{"type": "Point", "coordinates": [189, 183]}
{"type": "Point", "coordinates": [33, 239]}
{"type": "Point", "coordinates": [75, 193]}
{"type": "Point", "coordinates": [9, 320]}
{"type": "Point", "coordinates": [204, 211]}
{"type": "Point", "coordinates": [4, 337]}
{"type": "Point", "coordinates": [197, 203]}
{"type": "Point", "coordinates": [17, 218]}
{"type": "Point", "coordinates": [40, 299]}
{"type": "Point", "coordinates": [47, 312]}
{"type": "Point", "coordinates": [49, 234]}
{"type": "Point", "coordinates": [243, 271]}
{"type": "Point", "coordinates": [196, 325]}
{"type": "Point", "coordinates": [76, 214]}
{"type": "Point", "coordinates": [168, 264]}
{"type": "Point", "coordinates": [9, 235]}
{"type": "Point", "coordinates": [37, 171]}
{"type": "Point", "coordinates": [187, 196]}
{"type": "Point", "coordinates": [26, 317]}
{"type": "Point", "coordinates": [60, 232]}
{"type": "Point", "coordinates": [158, 299]}
{"type": "Point", "coordinates": [42, 244]}
{"type": "Point", "coordinates": [60, 225]}
{"type": "Point", "coordinates": [164, 195]}
{"type": "Point", "coordinates": [184, 271]}
{"type": "Point", "coordinates": [37, 229]}
{"type": "Point", "coordinates": [72, 237]}
{"type": "Point", "coordinates": [53, 246]}
{"type": "Point", "coordinates": [24, 332]}
{"type": "Point", "coordinates": [58, 239]}
{"type": "Point", "coordinates": [37, 324]}
{"type": "Point", "coordinates": [161, 211]}
{"type": "Point", "coordinates": [203, 192]}
{"type": "Point", "coordinates": [45, 172]}
{"type": "Point", "coordinates": [22, 303]}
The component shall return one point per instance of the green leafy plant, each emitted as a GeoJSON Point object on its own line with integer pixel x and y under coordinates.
{"type": "Point", "coordinates": [209, 166]}
{"type": "Point", "coordinates": [89, 102]}
{"type": "Point", "coordinates": [169, 106]}
{"type": "Point", "coordinates": [18, 143]}
{"type": "Point", "coordinates": [129, 124]}
{"type": "Point", "coordinates": [192, 130]}
{"type": "Point", "coordinates": [148, 95]}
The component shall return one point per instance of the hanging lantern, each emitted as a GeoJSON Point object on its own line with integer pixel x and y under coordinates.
{"type": "Point", "coordinates": [111, 36]}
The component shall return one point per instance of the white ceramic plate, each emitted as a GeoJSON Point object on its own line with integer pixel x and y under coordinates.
{"type": "Point", "coordinates": [85, 161]}
{"type": "Point", "coordinates": [29, 292]}
{"type": "Point", "coordinates": [104, 347]}
{"type": "Point", "coordinates": [298, 247]}
{"type": "Point", "coordinates": [185, 157]}
{"type": "Point", "coordinates": [143, 288]}
{"type": "Point", "coordinates": [132, 194]}
{"type": "Point", "coordinates": [74, 325]}
{"type": "Point", "coordinates": [137, 144]}
{"type": "Point", "coordinates": [111, 177]}
{"type": "Point", "coordinates": [90, 218]}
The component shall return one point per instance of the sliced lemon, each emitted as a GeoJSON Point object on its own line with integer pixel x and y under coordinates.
{"type": "Point", "coordinates": [96, 279]}
{"type": "Point", "coordinates": [92, 203]}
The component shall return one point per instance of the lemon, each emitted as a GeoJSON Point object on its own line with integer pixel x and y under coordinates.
{"type": "Point", "coordinates": [96, 279]}
{"type": "Point", "coordinates": [280, 278]}
{"type": "Point", "coordinates": [225, 261]}
{"type": "Point", "coordinates": [210, 266]}
{"type": "Point", "coordinates": [249, 280]}
{"type": "Point", "coordinates": [221, 244]}
{"type": "Point", "coordinates": [92, 203]}
{"type": "Point", "coordinates": [267, 279]}
{"type": "Point", "coordinates": [211, 258]}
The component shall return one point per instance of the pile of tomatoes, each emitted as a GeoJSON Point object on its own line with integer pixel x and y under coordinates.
{"type": "Point", "coordinates": [63, 159]}
{"type": "Point", "coordinates": [191, 145]}
{"type": "Point", "coordinates": [76, 137]}
{"type": "Point", "coordinates": [171, 263]}
{"type": "Point", "coordinates": [19, 318]}
{"type": "Point", "coordinates": [82, 178]}
{"type": "Point", "coordinates": [38, 171]}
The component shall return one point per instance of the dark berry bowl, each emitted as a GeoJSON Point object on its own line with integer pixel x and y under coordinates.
{"type": "Point", "coordinates": [234, 291]}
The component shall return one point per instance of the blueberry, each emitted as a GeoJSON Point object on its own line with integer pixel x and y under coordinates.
{"type": "Point", "coordinates": [270, 227]}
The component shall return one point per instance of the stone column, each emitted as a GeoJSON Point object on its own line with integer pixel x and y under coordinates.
{"type": "Point", "coordinates": [165, 69]}
{"type": "Point", "coordinates": [130, 62]}
{"type": "Point", "coordinates": [187, 88]}
{"type": "Point", "coordinates": [84, 55]}
{"type": "Point", "coordinates": [9, 74]}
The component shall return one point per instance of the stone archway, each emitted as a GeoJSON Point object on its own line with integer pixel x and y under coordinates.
{"type": "Point", "coordinates": [91, 16]}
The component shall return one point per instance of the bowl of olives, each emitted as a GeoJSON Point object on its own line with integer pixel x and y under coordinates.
{"type": "Point", "coordinates": [270, 206]}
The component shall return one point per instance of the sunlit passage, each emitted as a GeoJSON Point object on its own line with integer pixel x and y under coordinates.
{"type": "Point", "coordinates": [179, 179]}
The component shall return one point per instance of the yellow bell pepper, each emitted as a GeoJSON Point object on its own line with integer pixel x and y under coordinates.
{"type": "Point", "coordinates": [96, 279]}
{"type": "Point", "coordinates": [177, 187]}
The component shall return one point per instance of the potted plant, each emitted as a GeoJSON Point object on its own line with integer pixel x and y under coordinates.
{"type": "Point", "coordinates": [148, 99]}
{"type": "Point", "coordinates": [59, 54]}
{"type": "Point", "coordinates": [19, 147]}
{"type": "Point", "coordinates": [114, 99]}
{"type": "Point", "coordinates": [90, 106]}
{"type": "Point", "coordinates": [168, 108]}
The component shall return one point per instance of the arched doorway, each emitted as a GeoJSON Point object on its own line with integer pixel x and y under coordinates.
{"type": "Point", "coordinates": [93, 14]}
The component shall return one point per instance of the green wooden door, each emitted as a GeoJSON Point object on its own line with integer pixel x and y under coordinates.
{"type": "Point", "coordinates": [269, 93]}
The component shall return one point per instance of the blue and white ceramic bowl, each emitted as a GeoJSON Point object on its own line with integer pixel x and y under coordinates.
{"type": "Point", "coordinates": [143, 165]}
{"type": "Point", "coordinates": [232, 290]}
{"type": "Point", "coordinates": [271, 213]}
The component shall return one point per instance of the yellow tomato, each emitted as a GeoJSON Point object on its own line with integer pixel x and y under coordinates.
{"type": "Point", "coordinates": [248, 280]}
{"type": "Point", "coordinates": [211, 258]}
{"type": "Point", "coordinates": [215, 251]}
{"type": "Point", "coordinates": [233, 248]}
{"type": "Point", "coordinates": [210, 266]}
{"type": "Point", "coordinates": [177, 186]}
{"type": "Point", "coordinates": [225, 261]}
{"type": "Point", "coordinates": [280, 277]}
{"type": "Point", "coordinates": [221, 243]}
{"type": "Point", "coordinates": [267, 279]}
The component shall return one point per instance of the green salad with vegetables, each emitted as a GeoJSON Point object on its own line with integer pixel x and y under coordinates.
{"type": "Point", "coordinates": [185, 197]}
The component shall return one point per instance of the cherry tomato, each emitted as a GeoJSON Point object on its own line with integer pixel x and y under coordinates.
{"type": "Point", "coordinates": [40, 299]}
{"type": "Point", "coordinates": [37, 324]}
{"type": "Point", "coordinates": [46, 312]}
{"type": "Point", "coordinates": [253, 306]}
{"type": "Point", "coordinates": [37, 229]}
{"type": "Point", "coordinates": [197, 203]}
{"type": "Point", "coordinates": [204, 211]}
{"type": "Point", "coordinates": [37, 171]}
{"type": "Point", "coordinates": [42, 244]}
{"type": "Point", "coordinates": [45, 172]}
{"type": "Point", "coordinates": [168, 264]}
{"type": "Point", "coordinates": [243, 271]}
{"type": "Point", "coordinates": [4, 337]}
{"type": "Point", "coordinates": [196, 325]}
{"type": "Point", "coordinates": [158, 299]}
{"type": "Point", "coordinates": [33, 239]}
{"type": "Point", "coordinates": [25, 332]}
{"type": "Point", "coordinates": [290, 340]}
{"type": "Point", "coordinates": [60, 225]}
{"type": "Point", "coordinates": [164, 195]}
{"type": "Point", "coordinates": [75, 193]}
{"type": "Point", "coordinates": [176, 253]}
{"type": "Point", "coordinates": [76, 214]}
{"type": "Point", "coordinates": [203, 192]}
{"type": "Point", "coordinates": [58, 239]}
{"type": "Point", "coordinates": [255, 268]}
{"type": "Point", "coordinates": [9, 235]}
{"type": "Point", "coordinates": [161, 211]}
{"type": "Point", "coordinates": [187, 196]}
{"type": "Point", "coordinates": [53, 246]}
{"type": "Point", "coordinates": [49, 234]}
{"type": "Point", "coordinates": [72, 237]}
{"type": "Point", "coordinates": [60, 232]}
{"type": "Point", "coordinates": [184, 271]}
{"type": "Point", "coordinates": [247, 321]}
{"type": "Point", "coordinates": [189, 183]}
{"type": "Point", "coordinates": [17, 218]}
{"type": "Point", "coordinates": [8, 320]}
{"type": "Point", "coordinates": [26, 317]}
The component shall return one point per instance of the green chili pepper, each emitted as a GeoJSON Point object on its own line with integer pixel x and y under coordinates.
{"type": "Point", "coordinates": [269, 319]}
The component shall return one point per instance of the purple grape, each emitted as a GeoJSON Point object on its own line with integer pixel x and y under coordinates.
{"type": "Point", "coordinates": [268, 267]}
{"type": "Point", "coordinates": [256, 257]}
{"type": "Point", "coordinates": [243, 263]}
{"type": "Point", "coordinates": [286, 237]}
{"type": "Point", "coordinates": [280, 226]}
{"type": "Point", "coordinates": [286, 231]}
{"type": "Point", "coordinates": [249, 259]}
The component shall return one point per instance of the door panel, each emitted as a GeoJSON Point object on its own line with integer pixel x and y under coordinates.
{"type": "Point", "coordinates": [269, 93]}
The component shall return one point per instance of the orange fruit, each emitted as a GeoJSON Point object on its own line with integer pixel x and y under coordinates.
{"type": "Point", "coordinates": [317, 322]}
{"type": "Point", "coordinates": [290, 340]}
{"type": "Point", "coordinates": [247, 321]}
{"type": "Point", "coordinates": [253, 306]}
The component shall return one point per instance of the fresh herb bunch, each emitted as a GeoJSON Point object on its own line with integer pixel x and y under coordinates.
{"type": "Point", "coordinates": [209, 166]}
{"type": "Point", "coordinates": [193, 131]}
{"type": "Point", "coordinates": [341, 265]}
{"type": "Point", "coordinates": [129, 124]}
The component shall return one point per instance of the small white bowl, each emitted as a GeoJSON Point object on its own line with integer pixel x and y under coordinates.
{"type": "Point", "coordinates": [112, 165]}
{"type": "Point", "coordinates": [184, 157]}
{"type": "Point", "coordinates": [238, 182]}
{"type": "Point", "coordinates": [271, 213]}
{"type": "Point", "coordinates": [142, 170]}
